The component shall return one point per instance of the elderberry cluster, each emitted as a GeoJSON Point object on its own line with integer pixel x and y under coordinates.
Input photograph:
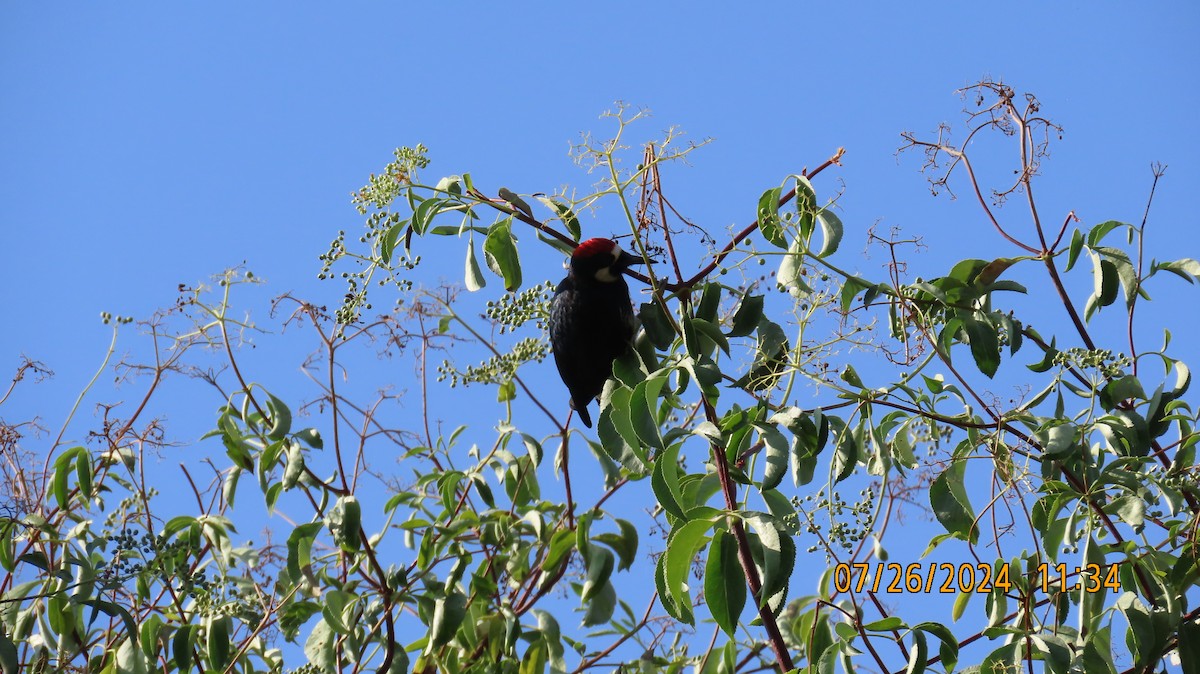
{"type": "Point", "coordinates": [1110, 365]}
{"type": "Point", "coordinates": [134, 554]}
{"type": "Point", "coordinates": [382, 189]}
{"type": "Point", "coordinates": [842, 533]}
{"type": "Point", "coordinates": [513, 310]}
{"type": "Point", "coordinates": [121, 320]}
{"type": "Point", "coordinates": [337, 248]}
{"type": "Point", "coordinates": [497, 369]}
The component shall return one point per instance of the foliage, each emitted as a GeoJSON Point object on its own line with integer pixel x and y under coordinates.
{"type": "Point", "coordinates": [770, 381]}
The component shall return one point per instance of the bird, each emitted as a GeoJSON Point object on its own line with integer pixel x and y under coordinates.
{"type": "Point", "coordinates": [591, 320]}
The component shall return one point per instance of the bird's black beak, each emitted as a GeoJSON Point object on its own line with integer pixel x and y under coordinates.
{"type": "Point", "coordinates": [627, 259]}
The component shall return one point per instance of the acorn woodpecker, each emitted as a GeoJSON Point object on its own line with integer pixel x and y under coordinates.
{"type": "Point", "coordinates": [591, 320]}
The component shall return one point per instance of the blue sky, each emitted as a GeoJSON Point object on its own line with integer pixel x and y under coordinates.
{"type": "Point", "coordinates": [149, 145]}
{"type": "Point", "coordinates": [144, 145]}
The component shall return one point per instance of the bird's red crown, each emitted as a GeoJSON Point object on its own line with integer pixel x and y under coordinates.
{"type": "Point", "coordinates": [593, 247]}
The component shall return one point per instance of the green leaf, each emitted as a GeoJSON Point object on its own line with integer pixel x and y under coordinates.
{"type": "Point", "coordinates": [219, 644]}
{"type": "Point", "coordinates": [1006, 658]}
{"type": "Point", "coordinates": [1105, 284]}
{"type": "Point", "coordinates": [181, 647]}
{"type": "Point", "coordinates": [62, 471]}
{"type": "Point", "coordinates": [885, 625]}
{"type": "Point", "coordinates": [1074, 249]}
{"type": "Point", "coordinates": [992, 271]}
{"type": "Point", "coordinates": [548, 626]}
{"type": "Point", "coordinates": [615, 429]}
{"type": "Point", "coordinates": [229, 486]}
{"type": "Point", "coordinates": [295, 466]}
{"type": "Point", "coordinates": [8, 546]}
{"type": "Point", "coordinates": [664, 595]}
{"type": "Point", "coordinates": [747, 316]}
{"type": "Point", "coordinates": [1119, 390]}
{"type": "Point", "coordinates": [516, 201]}
{"type": "Point", "coordinates": [115, 611]}
{"type": "Point", "coordinates": [966, 271]}
{"type": "Point", "coordinates": [691, 339]}
{"type": "Point", "coordinates": [448, 615]}
{"type": "Point", "coordinates": [338, 610]}
{"type": "Point", "coordinates": [781, 508]}
{"type": "Point", "coordinates": [985, 344]}
{"type": "Point", "coordinates": [506, 391]}
{"type": "Point", "coordinates": [609, 467]}
{"type": "Point", "coordinates": [831, 228]}
{"type": "Point", "coordinates": [850, 289]}
{"type": "Point", "coordinates": [281, 418]}
{"type": "Point", "coordinates": [1101, 230]}
{"type": "Point", "coordinates": [319, 647]}
{"type": "Point", "coordinates": [1188, 645]}
{"type": "Point", "coordinates": [562, 542]}
{"type": "Point", "coordinates": [770, 360]}
{"type": "Point", "coordinates": [1140, 638]}
{"type": "Point", "coordinates": [83, 474]}
{"type": "Point", "coordinates": [960, 605]}
{"type": "Point", "coordinates": [600, 608]}
{"type": "Point", "coordinates": [1131, 509]}
{"type": "Point", "coordinates": [918, 654]}
{"type": "Point", "coordinates": [682, 546]}
{"type": "Point", "coordinates": [1125, 272]}
{"type": "Point", "coordinates": [344, 521]}
{"type": "Point", "coordinates": [710, 335]}
{"type": "Point", "coordinates": [534, 660]}
{"type": "Point", "coordinates": [387, 242]}
{"type": "Point", "coordinates": [643, 406]}
{"type": "Point", "coordinates": [565, 214]}
{"type": "Point", "coordinates": [473, 275]}
{"type": "Point", "coordinates": [791, 270]}
{"type": "Point", "coordinates": [846, 452]}
{"type": "Point", "coordinates": [9, 663]}
{"type": "Point", "coordinates": [424, 213]}
{"type": "Point", "coordinates": [776, 455]}
{"type": "Point", "coordinates": [521, 483]}
{"type": "Point", "coordinates": [850, 376]}
{"type": "Point", "coordinates": [949, 648]}
{"type": "Point", "coordinates": [769, 222]}
{"type": "Point", "coordinates": [710, 302]}
{"type": "Point", "coordinates": [129, 659]}
{"type": "Point", "coordinates": [657, 325]}
{"type": "Point", "coordinates": [1058, 440]}
{"type": "Point", "coordinates": [628, 369]}
{"type": "Point", "coordinates": [644, 351]}
{"type": "Point", "coordinates": [951, 506]}
{"type": "Point", "coordinates": [299, 559]}
{"type": "Point", "coordinates": [707, 374]}
{"type": "Point", "coordinates": [818, 641]}
{"type": "Point", "coordinates": [665, 482]}
{"type": "Point", "coordinates": [810, 435]}
{"type": "Point", "coordinates": [1047, 361]}
{"type": "Point", "coordinates": [599, 563]}
{"type": "Point", "coordinates": [625, 543]}
{"type": "Point", "coordinates": [806, 204]}
{"type": "Point", "coordinates": [500, 249]}
{"type": "Point", "coordinates": [148, 635]}
{"type": "Point", "coordinates": [1185, 268]}
{"type": "Point", "coordinates": [293, 616]}
{"type": "Point", "coordinates": [311, 437]}
{"type": "Point", "coordinates": [724, 582]}
{"type": "Point", "coordinates": [778, 556]}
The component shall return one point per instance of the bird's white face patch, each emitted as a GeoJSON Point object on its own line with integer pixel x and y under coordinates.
{"type": "Point", "coordinates": [605, 274]}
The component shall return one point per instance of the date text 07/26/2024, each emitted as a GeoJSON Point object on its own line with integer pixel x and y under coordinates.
{"type": "Point", "coordinates": [957, 578]}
